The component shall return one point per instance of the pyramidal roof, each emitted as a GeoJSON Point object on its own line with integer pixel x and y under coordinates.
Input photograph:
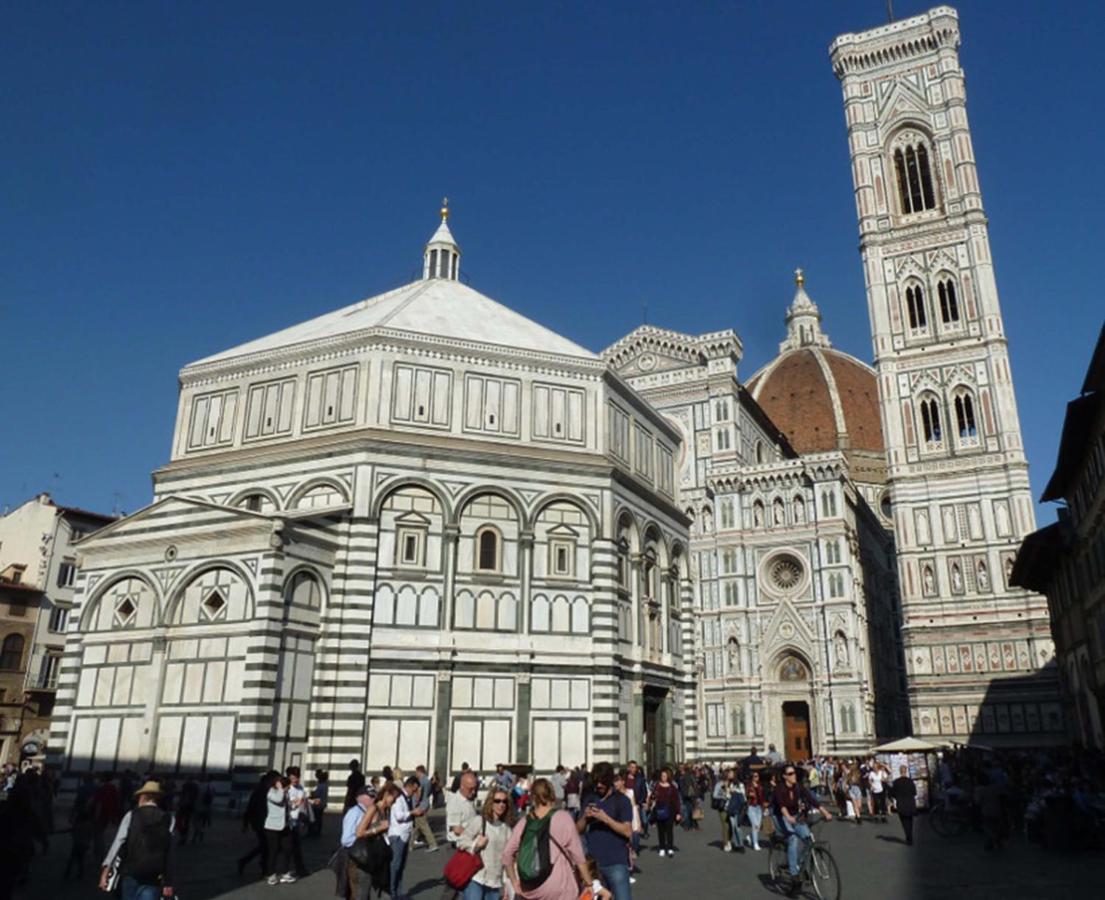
{"type": "Point", "coordinates": [437, 305]}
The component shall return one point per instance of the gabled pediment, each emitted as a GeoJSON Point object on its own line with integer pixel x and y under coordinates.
{"type": "Point", "coordinates": [185, 512]}
{"type": "Point", "coordinates": [787, 628]}
{"type": "Point", "coordinates": [905, 98]}
{"type": "Point", "coordinates": [648, 349]}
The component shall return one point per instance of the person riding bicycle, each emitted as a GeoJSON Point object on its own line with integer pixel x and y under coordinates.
{"type": "Point", "coordinates": [791, 802]}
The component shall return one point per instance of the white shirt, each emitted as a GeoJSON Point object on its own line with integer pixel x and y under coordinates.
{"type": "Point", "coordinates": [874, 781]}
{"type": "Point", "coordinates": [400, 824]}
{"type": "Point", "coordinates": [296, 795]}
{"type": "Point", "coordinates": [458, 811]}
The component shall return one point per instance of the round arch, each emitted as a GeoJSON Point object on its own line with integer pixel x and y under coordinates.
{"type": "Point", "coordinates": [404, 481]}
{"type": "Point", "coordinates": [324, 587]}
{"type": "Point", "coordinates": [248, 492]}
{"type": "Point", "coordinates": [779, 658]}
{"type": "Point", "coordinates": [653, 527]}
{"type": "Point", "coordinates": [494, 490]}
{"type": "Point", "coordinates": [93, 603]}
{"type": "Point", "coordinates": [201, 568]}
{"type": "Point", "coordinates": [312, 483]}
{"type": "Point", "coordinates": [625, 514]}
{"type": "Point", "coordinates": [563, 497]}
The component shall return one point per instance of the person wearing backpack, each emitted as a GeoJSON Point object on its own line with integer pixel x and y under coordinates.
{"type": "Point", "coordinates": [544, 858]}
{"type": "Point", "coordinates": [144, 839]}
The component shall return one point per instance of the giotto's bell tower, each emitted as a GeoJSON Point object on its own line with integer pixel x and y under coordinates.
{"type": "Point", "coordinates": [979, 652]}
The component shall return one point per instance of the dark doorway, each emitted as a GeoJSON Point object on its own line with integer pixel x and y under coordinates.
{"type": "Point", "coordinates": [796, 730]}
{"type": "Point", "coordinates": [654, 738]}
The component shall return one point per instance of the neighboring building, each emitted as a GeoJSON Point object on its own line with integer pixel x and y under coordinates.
{"type": "Point", "coordinates": [978, 648]}
{"type": "Point", "coordinates": [795, 584]}
{"type": "Point", "coordinates": [37, 577]}
{"type": "Point", "coordinates": [392, 533]}
{"type": "Point", "coordinates": [1066, 560]}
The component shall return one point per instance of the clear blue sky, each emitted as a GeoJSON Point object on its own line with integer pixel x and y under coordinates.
{"type": "Point", "coordinates": [178, 177]}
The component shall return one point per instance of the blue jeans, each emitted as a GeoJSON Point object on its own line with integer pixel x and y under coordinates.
{"type": "Point", "coordinates": [132, 890]}
{"type": "Point", "coordinates": [476, 891]}
{"type": "Point", "coordinates": [617, 881]}
{"type": "Point", "coordinates": [794, 832]}
{"type": "Point", "coordinates": [398, 863]}
{"type": "Point", "coordinates": [755, 820]}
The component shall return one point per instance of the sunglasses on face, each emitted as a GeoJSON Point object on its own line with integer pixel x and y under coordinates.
{"type": "Point", "coordinates": [499, 800]}
{"type": "Point", "coordinates": [791, 772]}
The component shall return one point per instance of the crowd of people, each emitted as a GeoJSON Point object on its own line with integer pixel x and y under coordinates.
{"type": "Point", "coordinates": [576, 833]}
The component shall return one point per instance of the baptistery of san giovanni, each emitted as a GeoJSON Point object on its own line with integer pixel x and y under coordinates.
{"type": "Point", "coordinates": [425, 529]}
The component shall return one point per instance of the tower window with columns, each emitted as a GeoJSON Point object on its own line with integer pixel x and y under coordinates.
{"type": "Point", "coordinates": [442, 256]}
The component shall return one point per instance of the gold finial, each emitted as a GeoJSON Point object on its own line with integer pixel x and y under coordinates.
{"type": "Point", "coordinates": [799, 278]}
{"type": "Point", "coordinates": [444, 209]}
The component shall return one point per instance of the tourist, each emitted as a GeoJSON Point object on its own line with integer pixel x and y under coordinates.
{"type": "Point", "coordinates": [353, 783]}
{"type": "Point", "coordinates": [559, 780]}
{"type": "Point", "coordinates": [608, 822]}
{"type": "Point", "coordinates": [455, 786]}
{"type": "Point", "coordinates": [567, 864]}
{"type": "Point", "coordinates": [665, 810]}
{"type": "Point", "coordinates": [81, 829]}
{"type": "Point", "coordinates": [635, 780]}
{"type": "Point", "coordinates": [486, 836]}
{"type": "Point", "coordinates": [572, 788]}
{"type": "Point", "coordinates": [756, 799]}
{"type": "Point", "coordinates": [876, 791]}
{"type": "Point", "coordinates": [904, 792]}
{"type": "Point", "coordinates": [460, 809]}
{"type": "Point", "coordinates": [253, 819]}
{"type": "Point", "coordinates": [368, 820]}
{"type": "Point", "coordinates": [276, 832]}
{"type": "Point", "coordinates": [723, 790]}
{"type": "Point", "coordinates": [504, 778]}
{"type": "Point", "coordinates": [774, 756]}
{"type": "Point", "coordinates": [688, 790]}
{"type": "Point", "coordinates": [320, 796]}
{"type": "Point", "coordinates": [854, 781]}
{"type": "Point", "coordinates": [425, 798]}
{"type": "Point", "coordinates": [635, 839]}
{"type": "Point", "coordinates": [203, 812]}
{"type": "Point", "coordinates": [142, 843]}
{"type": "Point", "coordinates": [400, 828]}
{"type": "Point", "coordinates": [791, 802]}
{"type": "Point", "coordinates": [299, 819]}
{"type": "Point", "coordinates": [107, 810]}
{"type": "Point", "coordinates": [751, 763]}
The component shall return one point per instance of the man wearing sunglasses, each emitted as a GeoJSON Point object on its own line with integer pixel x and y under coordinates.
{"type": "Point", "coordinates": [791, 802]}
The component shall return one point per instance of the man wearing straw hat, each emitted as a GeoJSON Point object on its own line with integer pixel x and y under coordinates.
{"type": "Point", "coordinates": [144, 838]}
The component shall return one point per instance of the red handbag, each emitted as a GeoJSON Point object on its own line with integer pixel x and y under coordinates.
{"type": "Point", "coordinates": [462, 865]}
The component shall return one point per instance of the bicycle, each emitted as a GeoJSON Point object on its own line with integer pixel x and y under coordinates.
{"type": "Point", "coordinates": [950, 819]}
{"type": "Point", "coordinates": [817, 870]}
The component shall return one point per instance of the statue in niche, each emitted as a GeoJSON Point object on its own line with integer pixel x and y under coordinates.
{"type": "Point", "coordinates": [799, 511]}
{"type": "Point", "coordinates": [840, 652]}
{"type": "Point", "coordinates": [780, 515]}
{"type": "Point", "coordinates": [734, 656]}
{"type": "Point", "coordinates": [957, 578]}
{"type": "Point", "coordinates": [707, 520]}
{"type": "Point", "coordinates": [1008, 569]}
{"type": "Point", "coordinates": [949, 524]}
{"type": "Point", "coordinates": [930, 581]}
{"type": "Point", "coordinates": [758, 514]}
{"type": "Point", "coordinates": [924, 536]}
{"type": "Point", "coordinates": [983, 576]}
{"type": "Point", "coordinates": [1001, 513]}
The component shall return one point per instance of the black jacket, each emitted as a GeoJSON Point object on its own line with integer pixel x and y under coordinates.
{"type": "Point", "coordinates": [904, 792]}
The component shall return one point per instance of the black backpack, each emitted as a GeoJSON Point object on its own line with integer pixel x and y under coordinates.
{"type": "Point", "coordinates": [147, 846]}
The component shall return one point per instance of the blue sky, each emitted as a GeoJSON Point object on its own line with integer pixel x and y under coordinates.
{"type": "Point", "coordinates": [178, 178]}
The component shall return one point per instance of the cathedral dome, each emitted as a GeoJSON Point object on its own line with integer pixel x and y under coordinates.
{"type": "Point", "coordinates": [820, 398]}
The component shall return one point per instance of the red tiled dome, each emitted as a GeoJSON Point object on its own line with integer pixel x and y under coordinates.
{"type": "Point", "coordinates": [821, 399]}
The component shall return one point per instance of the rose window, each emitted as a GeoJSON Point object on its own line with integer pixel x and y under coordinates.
{"type": "Point", "coordinates": [785, 573]}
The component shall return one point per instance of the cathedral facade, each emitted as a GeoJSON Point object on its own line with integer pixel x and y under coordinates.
{"type": "Point", "coordinates": [425, 529]}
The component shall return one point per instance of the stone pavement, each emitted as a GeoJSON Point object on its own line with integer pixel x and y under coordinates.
{"type": "Point", "coordinates": [874, 865]}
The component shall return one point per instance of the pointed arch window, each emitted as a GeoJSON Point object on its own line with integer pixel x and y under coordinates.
{"type": "Point", "coordinates": [915, 307]}
{"type": "Point", "coordinates": [949, 302]}
{"type": "Point", "coordinates": [965, 421]}
{"type": "Point", "coordinates": [914, 175]}
{"type": "Point", "coordinates": [930, 420]}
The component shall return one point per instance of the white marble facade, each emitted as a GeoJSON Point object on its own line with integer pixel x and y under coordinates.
{"type": "Point", "coordinates": [979, 650]}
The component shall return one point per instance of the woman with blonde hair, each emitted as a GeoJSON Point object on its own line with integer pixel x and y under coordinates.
{"type": "Point", "coordinates": [486, 835]}
{"type": "Point", "coordinates": [543, 857]}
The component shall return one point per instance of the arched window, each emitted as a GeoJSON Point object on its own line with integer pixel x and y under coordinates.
{"type": "Point", "coordinates": [965, 417]}
{"type": "Point", "coordinates": [915, 306]}
{"type": "Point", "coordinates": [930, 420]}
{"type": "Point", "coordinates": [256, 502]}
{"type": "Point", "coordinates": [911, 163]}
{"type": "Point", "coordinates": [759, 451]}
{"type": "Point", "coordinates": [11, 654]}
{"type": "Point", "coordinates": [949, 303]}
{"type": "Point", "coordinates": [487, 550]}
